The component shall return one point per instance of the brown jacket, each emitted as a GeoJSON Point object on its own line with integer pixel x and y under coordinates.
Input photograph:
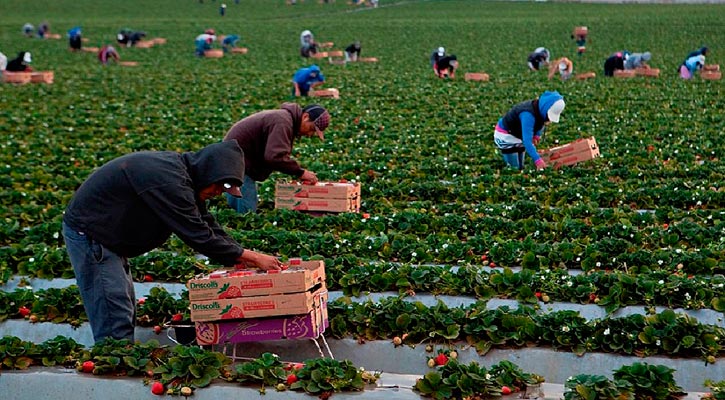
{"type": "Point", "coordinates": [266, 139]}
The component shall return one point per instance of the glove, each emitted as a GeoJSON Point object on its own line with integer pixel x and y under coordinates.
{"type": "Point", "coordinates": [536, 140]}
{"type": "Point", "coordinates": [540, 164]}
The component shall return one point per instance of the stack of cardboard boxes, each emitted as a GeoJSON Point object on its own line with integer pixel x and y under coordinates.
{"type": "Point", "coordinates": [572, 153]}
{"type": "Point", "coordinates": [323, 197]}
{"type": "Point", "coordinates": [248, 306]}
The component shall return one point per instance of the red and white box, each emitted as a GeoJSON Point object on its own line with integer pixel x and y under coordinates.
{"type": "Point", "coordinates": [256, 306]}
{"type": "Point", "coordinates": [321, 190]}
{"type": "Point", "coordinates": [300, 276]}
{"type": "Point", "coordinates": [315, 204]}
{"type": "Point", "coordinates": [476, 76]}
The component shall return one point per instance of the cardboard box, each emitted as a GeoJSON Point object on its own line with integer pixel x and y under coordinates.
{"type": "Point", "coordinates": [625, 73]}
{"type": "Point", "coordinates": [17, 77]}
{"type": "Point", "coordinates": [128, 63]}
{"type": "Point", "coordinates": [239, 50]}
{"type": "Point", "coordinates": [322, 190]}
{"type": "Point", "coordinates": [158, 41]}
{"type": "Point", "coordinates": [570, 154]}
{"type": "Point", "coordinates": [90, 49]}
{"type": "Point", "coordinates": [651, 72]}
{"type": "Point", "coordinates": [310, 325]}
{"type": "Point", "coordinates": [711, 67]}
{"type": "Point", "coordinates": [299, 277]}
{"type": "Point", "coordinates": [52, 36]}
{"type": "Point", "coordinates": [145, 44]}
{"type": "Point", "coordinates": [42, 77]}
{"type": "Point", "coordinates": [319, 54]}
{"type": "Point", "coordinates": [585, 75]}
{"type": "Point", "coordinates": [331, 92]}
{"type": "Point", "coordinates": [337, 53]}
{"type": "Point", "coordinates": [368, 59]}
{"type": "Point", "coordinates": [315, 204]}
{"type": "Point", "coordinates": [255, 306]}
{"type": "Point", "coordinates": [476, 76]}
{"type": "Point", "coordinates": [711, 75]}
{"type": "Point", "coordinates": [214, 53]}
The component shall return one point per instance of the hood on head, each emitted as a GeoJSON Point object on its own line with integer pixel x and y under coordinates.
{"type": "Point", "coordinates": [646, 56]}
{"type": "Point", "coordinates": [217, 163]}
{"type": "Point", "coordinates": [296, 112]}
{"type": "Point", "coordinates": [703, 50]}
{"type": "Point", "coordinates": [546, 101]}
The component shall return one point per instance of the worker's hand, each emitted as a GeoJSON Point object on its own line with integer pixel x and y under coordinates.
{"type": "Point", "coordinates": [309, 177]}
{"type": "Point", "coordinates": [540, 164]}
{"type": "Point", "coordinates": [536, 140]}
{"type": "Point", "coordinates": [262, 261]}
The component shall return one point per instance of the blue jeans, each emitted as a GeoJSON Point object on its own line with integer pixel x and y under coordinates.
{"type": "Point", "coordinates": [105, 284]}
{"type": "Point", "coordinates": [248, 201]}
{"type": "Point", "coordinates": [515, 160]}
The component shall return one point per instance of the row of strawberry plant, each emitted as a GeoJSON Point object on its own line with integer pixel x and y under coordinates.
{"type": "Point", "coordinates": [182, 369]}
{"type": "Point", "coordinates": [665, 333]}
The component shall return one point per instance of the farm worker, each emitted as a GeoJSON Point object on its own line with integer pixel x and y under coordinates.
{"type": "Point", "coordinates": [446, 67]}
{"type": "Point", "coordinates": [638, 60]}
{"type": "Point", "coordinates": [564, 66]}
{"type": "Point", "coordinates": [229, 42]}
{"type": "Point", "coordinates": [692, 65]}
{"type": "Point", "coordinates": [74, 38]}
{"type": "Point", "coordinates": [581, 42]}
{"type": "Point", "coordinates": [702, 51]}
{"type": "Point", "coordinates": [306, 38]}
{"type": "Point", "coordinates": [305, 79]}
{"type": "Point", "coordinates": [435, 56]}
{"type": "Point", "coordinates": [352, 52]}
{"type": "Point", "coordinates": [133, 204]}
{"type": "Point", "coordinates": [43, 29]}
{"type": "Point", "coordinates": [107, 53]}
{"type": "Point", "coordinates": [520, 130]}
{"type": "Point", "coordinates": [540, 56]}
{"type": "Point", "coordinates": [222, 9]}
{"type": "Point", "coordinates": [203, 42]}
{"type": "Point", "coordinates": [28, 29]}
{"type": "Point", "coordinates": [129, 38]}
{"type": "Point", "coordinates": [267, 138]}
{"type": "Point", "coordinates": [20, 63]}
{"type": "Point", "coordinates": [615, 62]}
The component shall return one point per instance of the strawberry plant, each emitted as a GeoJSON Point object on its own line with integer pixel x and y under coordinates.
{"type": "Point", "coordinates": [267, 370]}
{"type": "Point", "coordinates": [326, 375]}
{"type": "Point", "coordinates": [649, 381]}
{"type": "Point", "coordinates": [718, 390]}
{"type": "Point", "coordinates": [190, 366]}
{"type": "Point", "coordinates": [596, 387]}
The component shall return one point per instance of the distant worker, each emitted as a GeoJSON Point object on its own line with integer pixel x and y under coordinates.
{"type": "Point", "coordinates": [540, 56]}
{"type": "Point", "coordinates": [74, 38]}
{"type": "Point", "coordinates": [691, 66]}
{"type": "Point", "coordinates": [21, 63]}
{"type": "Point", "coordinates": [446, 67]}
{"type": "Point", "coordinates": [352, 52]}
{"type": "Point", "coordinates": [615, 62]}
{"type": "Point", "coordinates": [435, 56]}
{"type": "Point", "coordinates": [564, 66]}
{"type": "Point", "coordinates": [108, 53]}
{"type": "Point", "coordinates": [43, 29]}
{"type": "Point", "coordinates": [28, 29]}
{"type": "Point", "coordinates": [308, 46]}
{"type": "Point", "coordinates": [580, 38]}
{"type": "Point", "coordinates": [638, 60]}
{"type": "Point", "coordinates": [229, 42]}
{"type": "Point", "coordinates": [306, 79]}
{"type": "Point", "coordinates": [203, 42]}
{"type": "Point", "coordinates": [129, 38]}
{"type": "Point", "coordinates": [519, 131]}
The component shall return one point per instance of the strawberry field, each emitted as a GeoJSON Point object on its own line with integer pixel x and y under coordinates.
{"type": "Point", "coordinates": [623, 255]}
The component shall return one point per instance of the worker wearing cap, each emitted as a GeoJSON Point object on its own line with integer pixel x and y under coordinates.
{"type": "Point", "coordinates": [306, 79]}
{"type": "Point", "coordinates": [132, 205]}
{"type": "Point", "coordinates": [520, 130]}
{"type": "Point", "coordinates": [435, 56]}
{"type": "Point", "coordinates": [267, 138]}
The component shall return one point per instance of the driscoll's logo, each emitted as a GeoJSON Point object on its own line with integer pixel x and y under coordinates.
{"type": "Point", "coordinates": [209, 285]}
{"type": "Point", "coordinates": [202, 307]}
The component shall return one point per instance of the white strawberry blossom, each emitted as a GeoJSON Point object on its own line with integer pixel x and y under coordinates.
{"type": "Point", "coordinates": [661, 282]}
{"type": "Point", "coordinates": [31, 259]}
{"type": "Point", "coordinates": [565, 328]}
{"type": "Point", "coordinates": [606, 331]}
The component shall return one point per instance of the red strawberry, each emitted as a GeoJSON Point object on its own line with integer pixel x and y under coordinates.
{"type": "Point", "coordinates": [157, 388]}
{"type": "Point", "coordinates": [505, 390]}
{"type": "Point", "coordinates": [592, 296]}
{"type": "Point", "coordinates": [231, 292]}
{"type": "Point", "coordinates": [88, 366]}
{"type": "Point", "coordinates": [492, 264]}
{"type": "Point", "coordinates": [177, 317]}
{"type": "Point", "coordinates": [291, 378]}
{"type": "Point", "coordinates": [538, 295]}
{"type": "Point", "coordinates": [234, 312]}
{"type": "Point", "coordinates": [148, 278]}
{"type": "Point", "coordinates": [157, 329]}
{"type": "Point", "coordinates": [484, 257]}
{"type": "Point", "coordinates": [441, 359]}
{"type": "Point", "coordinates": [665, 226]}
{"type": "Point", "coordinates": [366, 215]}
{"type": "Point", "coordinates": [24, 311]}
{"type": "Point", "coordinates": [141, 301]}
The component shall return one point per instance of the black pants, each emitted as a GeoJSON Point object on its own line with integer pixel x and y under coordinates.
{"type": "Point", "coordinates": [612, 63]}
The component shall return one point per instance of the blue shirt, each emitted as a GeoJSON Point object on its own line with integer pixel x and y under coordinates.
{"type": "Point", "coordinates": [305, 77]}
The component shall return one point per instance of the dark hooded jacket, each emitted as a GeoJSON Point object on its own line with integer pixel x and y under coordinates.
{"type": "Point", "coordinates": [135, 202]}
{"type": "Point", "coordinates": [266, 139]}
{"type": "Point", "coordinates": [17, 64]}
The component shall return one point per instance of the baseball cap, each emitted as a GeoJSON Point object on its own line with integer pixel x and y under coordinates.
{"type": "Point", "coordinates": [555, 110]}
{"type": "Point", "coordinates": [232, 188]}
{"type": "Point", "coordinates": [320, 117]}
